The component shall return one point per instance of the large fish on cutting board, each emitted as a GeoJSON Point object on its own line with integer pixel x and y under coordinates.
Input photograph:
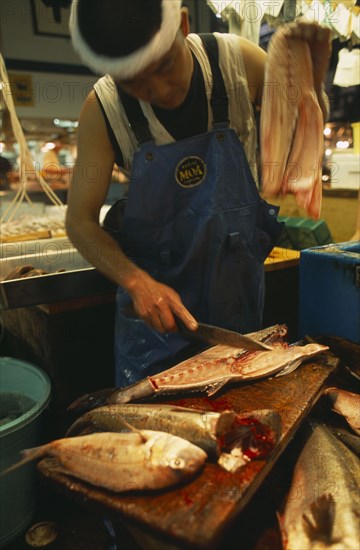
{"type": "Point", "coordinates": [227, 436]}
{"type": "Point", "coordinates": [211, 369]}
{"type": "Point", "coordinates": [123, 461]}
{"type": "Point", "coordinates": [291, 120]}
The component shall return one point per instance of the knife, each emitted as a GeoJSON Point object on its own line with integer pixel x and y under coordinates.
{"type": "Point", "coordinates": [217, 335]}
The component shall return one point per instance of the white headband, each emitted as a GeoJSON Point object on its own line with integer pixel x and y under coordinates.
{"type": "Point", "coordinates": [129, 65]}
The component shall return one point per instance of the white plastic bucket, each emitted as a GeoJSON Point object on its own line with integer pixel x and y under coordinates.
{"type": "Point", "coordinates": [30, 387]}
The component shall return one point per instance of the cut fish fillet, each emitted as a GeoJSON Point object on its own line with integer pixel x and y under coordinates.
{"type": "Point", "coordinates": [291, 125]}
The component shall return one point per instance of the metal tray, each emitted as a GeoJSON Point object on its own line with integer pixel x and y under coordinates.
{"type": "Point", "coordinates": [80, 278]}
{"type": "Point", "coordinates": [36, 246]}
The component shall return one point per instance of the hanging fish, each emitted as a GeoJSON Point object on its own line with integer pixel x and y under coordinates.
{"type": "Point", "coordinates": [292, 158]}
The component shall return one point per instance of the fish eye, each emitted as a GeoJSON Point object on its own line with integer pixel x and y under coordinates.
{"type": "Point", "coordinates": [177, 463]}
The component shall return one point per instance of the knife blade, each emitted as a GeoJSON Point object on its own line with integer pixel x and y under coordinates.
{"type": "Point", "coordinates": [217, 335]}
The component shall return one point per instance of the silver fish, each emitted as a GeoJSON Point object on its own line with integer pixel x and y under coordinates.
{"type": "Point", "coordinates": [210, 430]}
{"type": "Point", "coordinates": [124, 461]}
{"type": "Point", "coordinates": [352, 441]}
{"type": "Point", "coordinates": [347, 404]}
{"type": "Point", "coordinates": [323, 505]}
{"type": "Point", "coordinates": [210, 370]}
{"type": "Point", "coordinates": [205, 429]}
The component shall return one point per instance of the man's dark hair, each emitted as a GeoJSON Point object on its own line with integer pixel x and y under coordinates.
{"type": "Point", "coordinates": [117, 28]}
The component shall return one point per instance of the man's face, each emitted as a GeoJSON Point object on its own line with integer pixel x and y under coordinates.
{"type": "Point", "coordinates": [166, 82]}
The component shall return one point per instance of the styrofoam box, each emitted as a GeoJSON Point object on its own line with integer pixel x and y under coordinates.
{"type": "Point", "coordinates": [345, 170]}
{"type": "Point", "coordinates": [329, 280]}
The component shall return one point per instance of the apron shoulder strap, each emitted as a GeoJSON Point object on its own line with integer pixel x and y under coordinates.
{"type": "Point", "coordinates": [137, 120]}
{"type": "Point", "coordinates": [219, 100]}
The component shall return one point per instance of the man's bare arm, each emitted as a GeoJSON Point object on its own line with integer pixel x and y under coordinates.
{"type": "Point", "coordinates": [154, 302]}
{"type": "Point", "coordinates": [254, 60]}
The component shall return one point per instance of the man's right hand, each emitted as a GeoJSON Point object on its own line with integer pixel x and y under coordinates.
{"type": "Point", "coordinates": [158, 304]}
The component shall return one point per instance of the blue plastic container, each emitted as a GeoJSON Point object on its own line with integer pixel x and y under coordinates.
{"type": "Point", "coordinates": [329, 279]}
{"type": "Point", "coordinates": [27, 388]}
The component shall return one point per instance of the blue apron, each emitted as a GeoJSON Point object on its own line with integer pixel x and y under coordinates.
{"type": "Point", "coordinates": [194, 220]}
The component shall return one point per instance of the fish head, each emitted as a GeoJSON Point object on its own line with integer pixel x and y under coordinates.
{"type": "Point", "coordinates": [175, 454]}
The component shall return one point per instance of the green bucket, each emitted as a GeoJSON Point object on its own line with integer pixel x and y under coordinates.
{"type": "Point", "coordinates": [24, 394]}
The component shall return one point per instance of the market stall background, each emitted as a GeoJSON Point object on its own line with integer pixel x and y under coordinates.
{"type": "Point", "coordinates": [48, 94]}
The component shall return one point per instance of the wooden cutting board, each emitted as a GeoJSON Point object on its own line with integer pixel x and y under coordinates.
{"type": "Point", "coordinates": [196, 514]}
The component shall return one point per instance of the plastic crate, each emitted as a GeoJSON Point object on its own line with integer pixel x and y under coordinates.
{"type": "Point", "coordinates": [301, 233]}
{"type": "Point", "coordinates": [284, 240]}
{"type": "Point", "coordinates": [329, 280]}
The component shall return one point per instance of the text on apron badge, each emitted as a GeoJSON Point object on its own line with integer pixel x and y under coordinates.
{"type": "Point", "coordinates": [190, 171]}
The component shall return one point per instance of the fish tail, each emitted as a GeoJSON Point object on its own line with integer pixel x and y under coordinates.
{"type": "Point", "coordinates": [283, 533]}
{"type": "Point", "coordinates": [90, 401]}
{"type": "Point", "coordinates": [136, 391]}
{"type": "Point", "coordinates": [28, 455]}
{"type": "Point", "coordinates": [82, 425]}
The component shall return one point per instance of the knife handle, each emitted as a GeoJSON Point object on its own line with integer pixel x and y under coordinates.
{"type": "Point", "coordinates": [185, 331]}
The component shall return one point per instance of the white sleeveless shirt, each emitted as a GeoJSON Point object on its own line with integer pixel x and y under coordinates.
{"type": "Point", "coordinates": [240, 107]}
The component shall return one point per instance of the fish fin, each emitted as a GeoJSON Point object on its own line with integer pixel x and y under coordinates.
{"type": "Point", "coordinates": [290, 367]}
{"type": "Point", "coordinates": [352, 372]}
{"type": "Point", "coordinates": [28, 455]}
{"type": "Point", "coordinates": [214, 387]}
{"type": "Point", "coordinates": [133, 429]}
{"type": "Point", "coordinates": [319, 522]}
{"type": "Point", "coordinates": [283, 533]}
{"type": "Point", "coordinates": [81, 426]}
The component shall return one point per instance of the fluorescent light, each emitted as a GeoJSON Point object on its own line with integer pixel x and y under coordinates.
{"type": "Point", "coordinates": [342, 144]}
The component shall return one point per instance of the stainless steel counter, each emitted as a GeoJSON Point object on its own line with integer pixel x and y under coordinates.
{"type": "Point", "coordinates": [78, 280]}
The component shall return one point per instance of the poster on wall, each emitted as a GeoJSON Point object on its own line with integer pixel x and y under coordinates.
{"type": "Point", "coordinates": [50, 21]}
{"type": "Point", "coordinates": [22, 89]}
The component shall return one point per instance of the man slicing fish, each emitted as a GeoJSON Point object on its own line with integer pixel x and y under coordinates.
{"type": "Point", "coordinates": [175, 111]}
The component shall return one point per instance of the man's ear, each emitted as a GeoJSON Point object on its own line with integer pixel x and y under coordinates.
{"type": "Point", "coordinates": [185, 23]}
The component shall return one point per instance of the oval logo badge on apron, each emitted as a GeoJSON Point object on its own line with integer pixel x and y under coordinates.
{"type": "Point", "coordinates": [190, 171]}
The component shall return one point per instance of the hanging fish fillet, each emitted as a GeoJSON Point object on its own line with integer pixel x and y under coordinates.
{"type": "Point", "coordinates": [210, 370]}
{"type": "Point", "coordinates": [291, 123]}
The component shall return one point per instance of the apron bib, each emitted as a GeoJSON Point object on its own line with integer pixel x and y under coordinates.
{"type": "Point", "coordinates": [194, 220]}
